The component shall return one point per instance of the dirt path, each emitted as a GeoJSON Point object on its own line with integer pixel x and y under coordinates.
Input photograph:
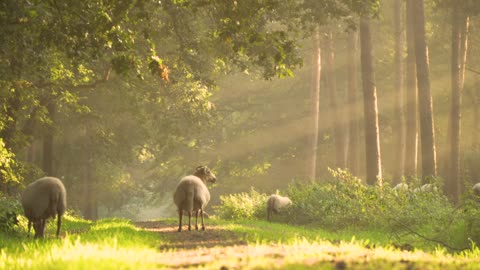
{"type": "Point", "coordinates": [220, 248]}
{"type": "Point", "coordinates": [213, 236]}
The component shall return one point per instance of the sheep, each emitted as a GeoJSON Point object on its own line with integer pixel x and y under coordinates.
{"type": "Point", "coordinates": [402, 187]}
{"type": "Point", "coordinates": [275, 203]}
{"type": "Point", "coordinates": [192, 194]}
{"type": "Point", "coordinates": [426, 188]}
{"type": "Point", "coordinates": [476, 189]}
{"type": "Point", "coordinates": [44, 198]}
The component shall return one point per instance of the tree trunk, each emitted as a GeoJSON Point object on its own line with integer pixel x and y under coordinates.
{"type": "Point", "coordinates": [459, 51]}
{"type": "Point", "coordinates": [372, 135]}
{"type": "Point", "coordinates": [336, 113]}
{"type": "Point", "coordinates": [353, 162]}
{"type": "Point", "coordinates": [48, 156]}
{"type": "Point", "coordinates": [399, 123]}
{"type": "Point", "coordinates": [427, 133]}
{"type": "Point", "coordinates": [315, 97]}
{"type": "Point", "coordinates": [411, 140]}
{"type": "Point", "coordinates": [89, 197]}
{"type": "Point", "coordinates": [476, 130]}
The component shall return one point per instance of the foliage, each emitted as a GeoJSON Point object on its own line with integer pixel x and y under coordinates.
{"type": "Point", "coordinates": [344, 202]}
{"type": "Point", "coordinates": [251, 205]}
{"type": "Point", "coordinates": [7, 162]}
{"type": "Point", "coordinates": [9, 209]}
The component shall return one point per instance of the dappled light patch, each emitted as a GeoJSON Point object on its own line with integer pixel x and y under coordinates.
{"type": "Point", "coordinates": [214, 235]}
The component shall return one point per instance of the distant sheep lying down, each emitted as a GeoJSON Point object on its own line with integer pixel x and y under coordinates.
{"type": "Point", "coordinates": [275, 203]}
{"type": "Point", "coordinates": [44, 198]}
{"type": "Point", "coordinates": [192, 195]}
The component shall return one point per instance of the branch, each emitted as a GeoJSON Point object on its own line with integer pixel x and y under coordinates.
{"type": "Point", "coordinates": [472, 70]}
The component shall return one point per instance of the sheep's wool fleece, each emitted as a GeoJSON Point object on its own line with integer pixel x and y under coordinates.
{"type": "Point", "coordinates": [37, 196]}
{"type": "Point", "coordinates": [276, 202]}
{"type": "Point", "coordinates": [476, 189]}
{"type": "Point", "coordinates": [191, 193]}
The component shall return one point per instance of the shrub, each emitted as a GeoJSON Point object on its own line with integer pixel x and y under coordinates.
{"type": "Point", "coordinates": [243, 205]}
{"type": "Point", "coordinates": [9, 209]}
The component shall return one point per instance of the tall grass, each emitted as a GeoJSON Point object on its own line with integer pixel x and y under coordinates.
{"type": "Point", "coordinates": [106, 244]}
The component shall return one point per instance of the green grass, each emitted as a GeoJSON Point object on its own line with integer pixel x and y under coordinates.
{"type": "Point", "coordinates": [118, 244]}
{"type": "Point", "coordinates": [106, 244]}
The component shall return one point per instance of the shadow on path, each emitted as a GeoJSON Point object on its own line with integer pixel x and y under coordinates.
{"type": "Point", "coordinates": [213, 236]}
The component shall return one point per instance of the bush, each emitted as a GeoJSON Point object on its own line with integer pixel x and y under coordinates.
{"type": "Point", "coordinates": [243, 205]}
{"type": "Point", "coordinates": [345, 202]}
{"type": "Point", "coordinates": [9, 210]}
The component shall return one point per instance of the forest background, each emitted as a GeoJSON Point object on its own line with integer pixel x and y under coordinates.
{"type": "Point", "coordinates": [120, 99]}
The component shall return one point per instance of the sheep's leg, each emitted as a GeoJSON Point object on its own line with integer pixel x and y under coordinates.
{"type": "Point", "coordinates": [42, 227]}
{"type": "Point", "coordinates": [203, 224]}
{"type": "Point", "coordinates": [59, 223]}
{"type": "Point", "coordinates": [189, 219]}
{"type": "Point", "coordinates": [180, 214]}
{"type": "Point", "coordinates": [29, 226]}
{"type": "Point", "coordinates": [196, 219]}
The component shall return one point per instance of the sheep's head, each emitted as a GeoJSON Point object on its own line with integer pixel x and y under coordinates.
{"type": "Point", "coordinates": [204, 173]}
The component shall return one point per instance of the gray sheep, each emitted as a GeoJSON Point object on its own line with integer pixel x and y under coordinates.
{"type": "Point", "coordinates": [275, 203]}
{"type": "Point", "coordinates": [192, 194]}
{"type": "Point", "coordinates": [44, 198]}
{"type": "Point", "coordinates": [476, 189]}
{"type": "Point", "coordinates": [401, 187]}
{"type": "Point", "coordinates": [426, 188]}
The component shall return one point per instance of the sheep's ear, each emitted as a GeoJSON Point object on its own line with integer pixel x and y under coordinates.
{"type": "Point", "coordinates": [201, 169]}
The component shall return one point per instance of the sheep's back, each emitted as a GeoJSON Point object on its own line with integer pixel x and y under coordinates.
{"type": "Point", "coordinates": [276, 202]}
{"type": "Point", "coordinates": [191, 185]}
{"type": "Point", "coordinates": [37, 196]}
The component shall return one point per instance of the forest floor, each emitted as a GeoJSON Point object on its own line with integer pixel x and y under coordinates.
{"type": "Point", "coordinates": [226, 244]}
{"type": "Point", "coordinates": [223, 247]}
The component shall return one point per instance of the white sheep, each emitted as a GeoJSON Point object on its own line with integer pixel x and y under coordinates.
{"type": "Point", "coordinates": [192, 194]}
{"type": "Point", "coordinates": [44, 198]}
{"type": "Point", "coordinates": [401, 187]}
{"type": "Point", "coordinates": [476, 189]}
{"type": "Point", "coordinates": [275, 203]}
{"type": "Point", "coordinates": [426, 188]}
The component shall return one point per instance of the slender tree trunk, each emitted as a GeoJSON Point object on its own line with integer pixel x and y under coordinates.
{"type": "Point", "coordinates": [459, 51]}
{"type": "Point", "coordinates": [400, 94]}
{"type": "Point", "coordinates": [372, 134]}
{"type": "Point", "coordinates": [89, 197]}
{"type": "Point", "coordinates": [427, 133]}
{"type": "Point", "coordinates": [336, 113]}
{"type": "Point", "coordinates": [316, 70]}
{"type": "Point", "coordinates": [476, 129]}
{"type": "Point", "coordinates": [353, 162]}
{"type": "Point", "coordinates": [411, 140]}
{"type": "Point", "coordinates": [48, 156]}
{"type": "Point", "coordinates": [476, 121]}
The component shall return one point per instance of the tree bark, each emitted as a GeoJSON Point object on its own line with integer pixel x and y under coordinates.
{"type": "Point", "coordinates": [89, 210]}
{"type": "Point", "coordinates": [427, 133]}
{"type": "Point", "coordinates": [372, 135]}
{"type": "Point", "coordinates": [458, 59]}
{"type": "Point", "coordinates": [315, 97]}
{"type": "Point", "coordinates": [48, 154]}
{"type": "Point", "coordinates": [353, 162]}
{"type": "Point", "coordinates": [411, 140]}
{"type": "Point", "coordinates": [336, 112]}
{"type": "Point", "coordinates": [399, 163]}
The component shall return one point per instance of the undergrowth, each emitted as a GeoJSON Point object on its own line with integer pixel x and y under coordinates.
{"type": "Point", "coordinates": [344, 202]}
